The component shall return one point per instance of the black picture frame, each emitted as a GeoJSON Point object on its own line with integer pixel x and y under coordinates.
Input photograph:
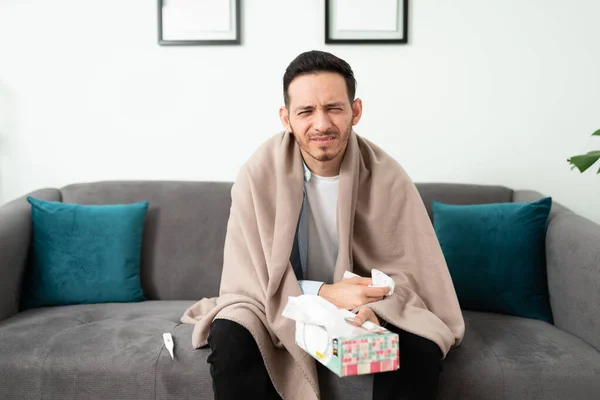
{"type": "Point", "coordinates": [236, 40]}
{"type": "Point", "coordinates": [403, 32]}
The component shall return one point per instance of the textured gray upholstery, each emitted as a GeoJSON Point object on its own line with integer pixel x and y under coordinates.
{"type": "Point", "coordinates": [61, 353]}
{"type": "Point", "coordinates": [115, 351]}
{"type": "Point", "coordinates": [573, 264]}
{"type": "Point", "coordinates": [101, 351]}
{"type": "Point", "coordinates": [457, 193]}
{"type": "Point", "coordinates": [15, 236]}
{"type": "Point", "coordinates": [573, 253]}
{"type": "Point", "coordinates": [183, 236]}
{"type": "Point", "coordinates": [506, 357]}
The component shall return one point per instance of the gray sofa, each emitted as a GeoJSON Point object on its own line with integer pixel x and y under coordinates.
{"type": "Point", "coordinates": [115, 351]}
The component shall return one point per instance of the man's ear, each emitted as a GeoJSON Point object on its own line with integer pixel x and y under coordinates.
{"type": "Point", "coordinates": [284, 116]}
{"type": "Point", "coordinates": [356, 111]}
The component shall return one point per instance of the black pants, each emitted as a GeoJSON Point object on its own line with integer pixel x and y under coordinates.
{"type": "Point", "coordinates": [238, 371]}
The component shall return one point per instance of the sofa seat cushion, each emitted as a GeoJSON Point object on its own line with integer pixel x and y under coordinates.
{"type": "Point", "coordinates": [115, 351]}
{"type": "Point", "coordinates": [101, 351]}
{"type": "Point", "coordinates": [502, 358]}
{"type": "Point", "coordinates": [507, 357]}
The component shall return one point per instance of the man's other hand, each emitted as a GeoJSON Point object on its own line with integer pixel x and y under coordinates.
{"type": "Point", "coordinates": [353, 292]}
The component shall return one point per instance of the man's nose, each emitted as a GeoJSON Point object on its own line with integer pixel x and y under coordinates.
{"type": "Point", "coordinates": [322, 122]}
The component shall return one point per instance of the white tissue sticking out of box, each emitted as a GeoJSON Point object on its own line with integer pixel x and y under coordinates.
{"type": "Point", "coordinates": [379, 280]}
{"type": "Point", "coordinates": [314, 310]}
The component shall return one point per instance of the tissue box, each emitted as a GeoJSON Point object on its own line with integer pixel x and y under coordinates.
{"type": "Point", "coordinates": [372, 349]}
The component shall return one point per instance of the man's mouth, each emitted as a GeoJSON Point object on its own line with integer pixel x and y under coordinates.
{"type": "Point", "coordinates": [322, 139]}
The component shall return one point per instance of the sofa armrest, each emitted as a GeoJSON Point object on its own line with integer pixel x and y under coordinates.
{"type": "Point", "coordinates": [573, 262]}
{"type": "Point", "coordinates": [573, 267]}
{"type": "Point", "coordinates": [15, 238]}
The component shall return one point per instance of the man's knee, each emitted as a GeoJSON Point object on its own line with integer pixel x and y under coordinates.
{"type": "Point", "coordinates": [426, 347]}
{"type": "Point", "coordinates": [231, 342]}
{"type": "Point", "coordinates": [236, 364]}
{"type": "Point", "coordinates": [421, 353]}
{"type": "Point", "coordinates": [414, 346]}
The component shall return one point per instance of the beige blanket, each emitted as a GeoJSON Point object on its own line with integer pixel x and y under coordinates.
{"type": "Point", "coordinates": [382, 224]}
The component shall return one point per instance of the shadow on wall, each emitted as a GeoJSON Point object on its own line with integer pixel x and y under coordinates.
{"type": "Point", "coordinates": [8, 130]}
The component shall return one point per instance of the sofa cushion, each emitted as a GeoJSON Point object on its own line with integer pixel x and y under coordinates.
{"type": "Point", "coordinates": [116, 351]}
{"type": "Point", "coordinates": [101, 351]}
{"type": "Point", "coordinates": [84, 253]}
{"type": "Point", "coordinates": [502, 357]}
{"type": "Point", "coordinates": [496, 255]}
{"type": "Point", "coordinates": [512, 358]}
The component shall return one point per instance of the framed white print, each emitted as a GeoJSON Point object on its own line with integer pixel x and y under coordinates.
{"type": "Point", "coordinates": [366, 21]}
{"type": "Point", "coordinates": [199, 22]}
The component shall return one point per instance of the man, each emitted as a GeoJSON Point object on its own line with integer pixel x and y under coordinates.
{"type": "Point", "coordinates": [310, 204]}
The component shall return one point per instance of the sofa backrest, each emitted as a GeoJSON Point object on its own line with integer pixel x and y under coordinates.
{"type": "Point", "coordinates": [184, 233]}
{"type": "Point", "coordinates": [186, 225]}
{"type": "Point", "coordinates": [456, 193]}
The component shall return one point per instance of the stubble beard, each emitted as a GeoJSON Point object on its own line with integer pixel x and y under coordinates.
{"type": "Point", "coordinates": [324, 156]}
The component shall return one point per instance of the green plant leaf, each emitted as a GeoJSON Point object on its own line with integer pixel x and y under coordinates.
{"type": "Point", "coordinates": [584, 161]}
{"type": "Point", "coordinates": [597, 133]}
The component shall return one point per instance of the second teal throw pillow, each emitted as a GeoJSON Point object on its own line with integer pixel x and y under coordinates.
{"type": "Point", "coordinates": [84, 254]}
{"type": "Point", "coordinates": [496, 255]}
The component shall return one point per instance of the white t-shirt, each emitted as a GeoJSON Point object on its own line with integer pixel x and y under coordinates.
{"type": "Point", "coordinates": [322, 195]}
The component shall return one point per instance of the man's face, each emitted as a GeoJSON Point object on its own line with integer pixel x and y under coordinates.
{"type": "Point", "coordinates": [320, 114]}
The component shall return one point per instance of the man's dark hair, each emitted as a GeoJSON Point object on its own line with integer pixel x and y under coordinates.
{"type": "Point", "coordinates": [315, 61]}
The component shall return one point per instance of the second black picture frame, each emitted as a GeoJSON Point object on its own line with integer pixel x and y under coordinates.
{"type": "Point", "coordinates": [366, 22]}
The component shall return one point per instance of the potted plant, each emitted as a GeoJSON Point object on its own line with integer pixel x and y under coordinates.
{"type": "Point", "coordinates": [584, 161]}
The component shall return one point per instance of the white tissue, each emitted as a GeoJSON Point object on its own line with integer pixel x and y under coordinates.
{"type": "Point", "coordinates": [314, 310]}
{"type": "Point", "coordinates": [379, 280]}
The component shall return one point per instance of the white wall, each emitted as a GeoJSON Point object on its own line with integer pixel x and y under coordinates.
{"type": "Point", "coordinates": [498, 92]}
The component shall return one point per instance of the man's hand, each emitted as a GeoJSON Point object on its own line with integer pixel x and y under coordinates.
{"type": "Point", "coordinates": [365, 314]}
{"type": "Point", "coordinates": [353, 292]}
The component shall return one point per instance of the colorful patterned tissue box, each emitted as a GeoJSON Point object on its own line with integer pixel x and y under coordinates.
{"type": "Point", "coordinates": [375, 350]}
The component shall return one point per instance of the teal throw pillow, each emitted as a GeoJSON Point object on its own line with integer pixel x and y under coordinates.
{"type": "Point", "coordinates": [83, 254]}
{"type": "Point", "coordinates": [496, 255]}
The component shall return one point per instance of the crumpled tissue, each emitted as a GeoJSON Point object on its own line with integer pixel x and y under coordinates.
{"type": "Point", "coordinates": [379, 280]}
